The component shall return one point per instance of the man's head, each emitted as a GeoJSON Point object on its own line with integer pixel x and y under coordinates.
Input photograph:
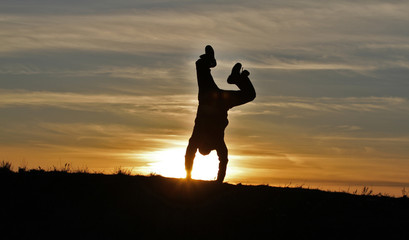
{"type": "Point", "coordinates": [205, 150]}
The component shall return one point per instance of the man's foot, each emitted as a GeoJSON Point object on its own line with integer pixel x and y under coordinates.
{"type": "Point", "coordinates": [208, 57]}
{"type": "Point", "coordinates": [235, 74]}
{"type": "Point", "coordinates": [245, 73]}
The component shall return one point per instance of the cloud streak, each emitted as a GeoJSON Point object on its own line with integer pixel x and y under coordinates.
{"type": "Point", "coordinates": [296, 36]}
{"type": "Point", "coordinates": [177, 104]}
{"type": "Point", "coordinates": [365, 104]}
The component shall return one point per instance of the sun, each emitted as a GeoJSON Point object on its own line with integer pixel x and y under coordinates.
{"type": "Point", "coordinates": [171, 163]}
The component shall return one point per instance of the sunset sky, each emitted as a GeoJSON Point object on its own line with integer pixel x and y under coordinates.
{"type": "Point", "coordinates": [106, 84]}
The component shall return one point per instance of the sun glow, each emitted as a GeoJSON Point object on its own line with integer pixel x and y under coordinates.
{"type": "Point", "coordinates": [171, 163]}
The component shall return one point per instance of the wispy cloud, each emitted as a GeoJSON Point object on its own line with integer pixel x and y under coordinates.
{"type": "Point", "coordinates": [171, 104]}
{"type": "Point", "coordinates": [357, 104]}
{"type": "Point", "coordinates": [314, 36]}
{"type": "Point", "coordinates": [186, 104]}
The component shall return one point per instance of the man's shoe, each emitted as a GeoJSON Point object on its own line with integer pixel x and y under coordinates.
{"type": "Point", "coordinates": [208, 57]}
{"type": "Point", "coordinates": [235, 74]}
{"type": "Point", "coordinates": [245, 73]}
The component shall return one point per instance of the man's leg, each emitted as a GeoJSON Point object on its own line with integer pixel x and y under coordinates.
{"type": "Point", "coordinates": [247, 92]}
{"type": "Point", "coordinates": [222, 152]}
{"type": "Point", "coordinates": [245, 85]}
{"type": "Point", "coordinates": [189, 157]}
{"type": "Point", "coordinates": [244, 95]}
{"type": "Point", "coordinates": [204, 77]}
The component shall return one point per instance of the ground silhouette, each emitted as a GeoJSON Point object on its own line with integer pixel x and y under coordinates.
{"type": "Point", "coordinates": [63, 205]}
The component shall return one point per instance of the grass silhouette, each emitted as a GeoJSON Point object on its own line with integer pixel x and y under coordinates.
{"type": "Point", "coordinates": [62, 203]}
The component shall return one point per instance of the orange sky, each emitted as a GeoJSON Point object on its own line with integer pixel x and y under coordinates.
{"type": "Point", "coordinates": [111, 85]}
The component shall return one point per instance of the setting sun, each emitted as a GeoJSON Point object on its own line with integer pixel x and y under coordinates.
{"type": "Point", "coordinates": [171, 163]}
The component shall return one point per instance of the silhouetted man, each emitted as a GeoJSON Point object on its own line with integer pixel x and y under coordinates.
{"type": "Point", "coordinates": [211, 117]}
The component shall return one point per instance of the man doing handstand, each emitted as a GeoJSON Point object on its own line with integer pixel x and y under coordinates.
{"type": "Point", "coordinates": [211, 117]}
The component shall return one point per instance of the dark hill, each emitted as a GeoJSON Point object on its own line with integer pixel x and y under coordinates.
{"type": "Point", "coordinates": [59, 205]}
